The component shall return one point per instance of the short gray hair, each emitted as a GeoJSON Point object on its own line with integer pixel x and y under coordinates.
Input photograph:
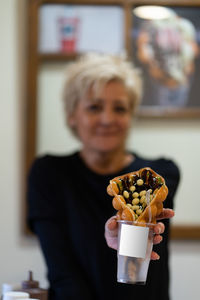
{"type": "Point", "coordinates": [94, 70]}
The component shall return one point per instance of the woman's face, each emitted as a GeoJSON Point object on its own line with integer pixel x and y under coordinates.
{"type": "Point", "coordinates": [102, 122]}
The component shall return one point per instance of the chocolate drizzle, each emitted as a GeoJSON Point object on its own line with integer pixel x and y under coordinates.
{"type": "Point", "coordinates": [150, 182]}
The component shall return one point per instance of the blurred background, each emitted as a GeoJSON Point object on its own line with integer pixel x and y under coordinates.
{"type": "Point", "coordinates": [172, 130]}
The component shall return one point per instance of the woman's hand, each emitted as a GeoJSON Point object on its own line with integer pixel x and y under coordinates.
{"type": "Point", "coordinates": [111, 231]}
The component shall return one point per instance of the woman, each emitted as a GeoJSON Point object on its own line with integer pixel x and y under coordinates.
{"type": "Point", "coordinates": [67, 198]}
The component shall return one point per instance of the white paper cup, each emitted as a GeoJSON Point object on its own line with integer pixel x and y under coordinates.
{"type": "Point", "coordinates": [135, 242]}
{"type": "Point", "coordinates": [7, 287]}
{"type": "Point", "coordinates": [15, 295]}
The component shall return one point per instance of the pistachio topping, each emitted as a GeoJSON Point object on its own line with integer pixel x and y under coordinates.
{"type": "Point", "coordinates": [140, 182]}
{"type": "Point", "coordinates": [139, 211]}
{"type": "Point", "coordinates": [126, 194]}
{"type": "Point", "coordinates": [135, 207]}
{"type": "Point", "coordinates": [135, 195]}
{"type": "Point", "coordinates": [132, 188]}
{"type": "Point", "coordinates": [143, 199]}
{"type": "Point", "coordinates": [143, 193]}
{"type": "Point", "coordinates": [135, 201]}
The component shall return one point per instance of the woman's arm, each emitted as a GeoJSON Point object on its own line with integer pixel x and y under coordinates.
{"type": "Point", "coordinates": [48, 220]}
{"type": "Point", "coordinates": [64, 272]}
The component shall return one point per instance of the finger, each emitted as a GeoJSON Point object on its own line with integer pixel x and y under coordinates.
{"type": "Point", "coordinates": [157, 239]}
{"type": "Point", "coordinates": [159, 228]}
{"type": "Point", "coordinates": [111, 227]}
{"type": "Point", "coordinates": [111, 224]}
{"type": "Point", "coordinates": [154, 256]}
{"type": "Point", "coordinates": [111, 232]}
{"type": "Point", "coordinates": [112, 242]}
{"type": "Point", "coordinates": [167, 213]}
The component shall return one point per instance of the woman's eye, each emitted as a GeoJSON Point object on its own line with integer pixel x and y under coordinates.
{"type": "Point", "coordinates": [94, 108]}
{"type": "Point", "coordinates": [121, 109]}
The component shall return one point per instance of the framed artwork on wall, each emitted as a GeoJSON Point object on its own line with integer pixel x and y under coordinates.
{"type": "Point", "coordinates": [73, 29]}
{"type": "Point", "coordinates": [166, 47]}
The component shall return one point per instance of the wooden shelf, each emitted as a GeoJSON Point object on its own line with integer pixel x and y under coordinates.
{"type": "Point", "coordinates": [185, 232]}
{"type": "Point", "coordinates": [56, 57]}
{"type": "Point", "coordinates": [173, 113]}
{"type": "Point", "coordinates": [84, 2]}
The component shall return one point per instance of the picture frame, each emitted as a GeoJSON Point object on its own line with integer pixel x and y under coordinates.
{"type": "Point", "coordinates": [167, 51]}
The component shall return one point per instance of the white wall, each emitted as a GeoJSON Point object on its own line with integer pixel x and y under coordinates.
{"type": "Point", "coordinates": [19, 253]}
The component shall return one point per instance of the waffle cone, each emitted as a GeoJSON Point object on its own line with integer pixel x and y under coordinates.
{"type": "Point", "coordinates": [152, 210]}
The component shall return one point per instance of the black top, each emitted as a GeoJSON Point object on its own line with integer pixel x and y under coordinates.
{"type": "Point", "coordinates": [68, 207]}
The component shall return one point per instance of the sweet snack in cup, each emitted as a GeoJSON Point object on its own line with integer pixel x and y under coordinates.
{"type": "Point", "coordinates": [138, 196]}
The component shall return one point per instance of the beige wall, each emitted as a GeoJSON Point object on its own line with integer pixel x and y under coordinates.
{"type": "Point", "coordinates": [19, 253]}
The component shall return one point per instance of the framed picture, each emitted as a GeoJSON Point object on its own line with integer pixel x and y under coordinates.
{"type": "Point", "coordinates": [166, 47]}
{"type": "Point", "coordinates": [72, 29]}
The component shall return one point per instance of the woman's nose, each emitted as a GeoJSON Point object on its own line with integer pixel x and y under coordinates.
{"type": "Point", "coordinates": [107, 116]}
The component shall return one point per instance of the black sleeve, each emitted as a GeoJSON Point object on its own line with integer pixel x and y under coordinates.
{"type": "Point", "coordinates": [64, 272]}
{"type": "Point", "coordinates": [172, 178]}
{"type": "Point", "coordinates": [45, 218]}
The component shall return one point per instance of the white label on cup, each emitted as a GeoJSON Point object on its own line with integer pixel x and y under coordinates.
{"type": "Point", "coordinates": [133, 241]}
